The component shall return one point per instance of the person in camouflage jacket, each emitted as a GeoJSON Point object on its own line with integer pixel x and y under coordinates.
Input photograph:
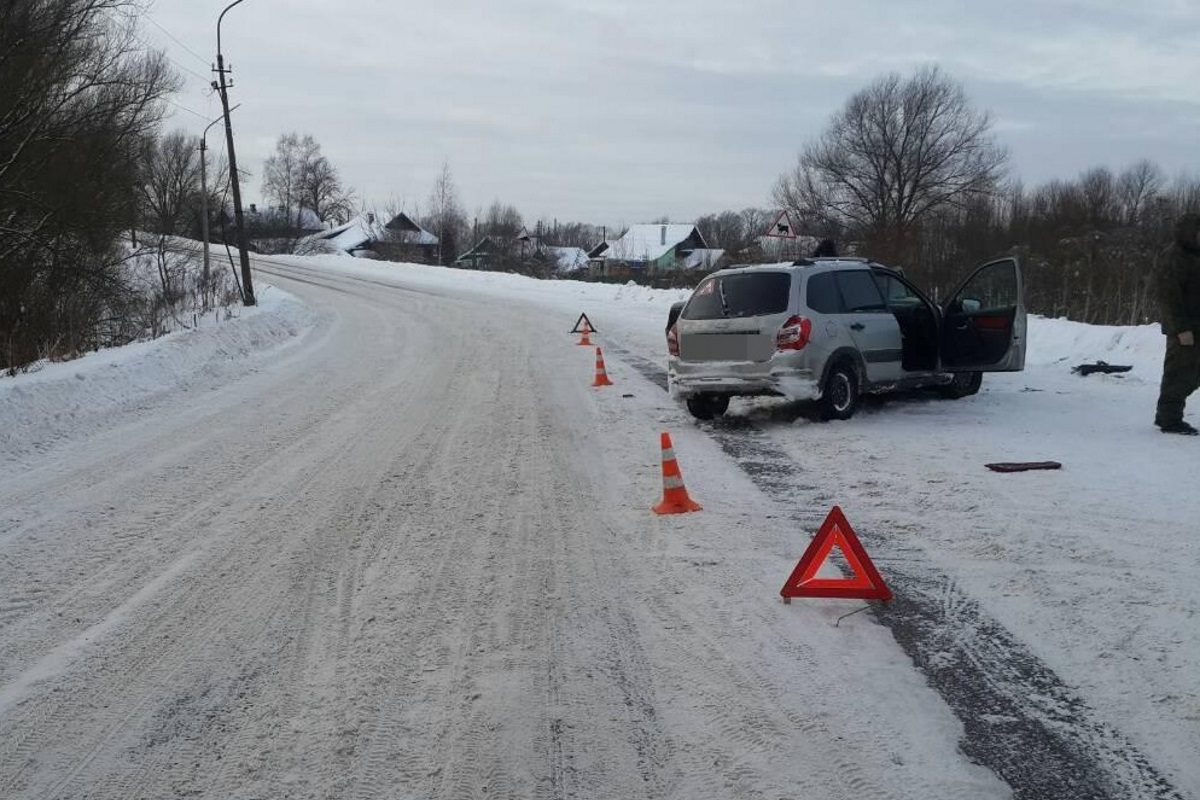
{"type": "Point", "coordinates": [1179, 304]}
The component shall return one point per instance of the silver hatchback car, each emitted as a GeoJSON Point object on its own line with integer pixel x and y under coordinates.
{"type": "Point", "coordinates": [833, 329]}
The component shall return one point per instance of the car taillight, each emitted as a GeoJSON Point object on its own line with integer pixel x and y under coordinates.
{"type": "Point", "coordinates": [673, 341]}
{"type": "Point", "coordinates": [794, 334]}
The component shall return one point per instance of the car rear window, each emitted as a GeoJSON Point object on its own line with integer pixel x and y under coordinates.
{"type": "Point", "coordinates": [745, 294]}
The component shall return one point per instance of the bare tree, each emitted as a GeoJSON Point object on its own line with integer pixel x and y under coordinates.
{"type": "Point", "coordinates": [171, 184]}
{"type": "Point", "coordinates": [899, 151]}
{"type": "Point", "coordinates": [283, 173]}
{"type": "Point", "coordinates": [722, 230]}
{"type": "Point", "coordinates": [79, 94]}
{"type": "Point", "coordinates": [502, 221]}
{"type": "Point", "coordinates": [1138, 188]}
{"type": "Point", "coordinates": [570, 234]}
{"type": "Point", "coordinates": [298, 177]}
{"type": "Point", "coordinates": [321, 190]}
{"type": "Point", "coordinates": [445, 217]}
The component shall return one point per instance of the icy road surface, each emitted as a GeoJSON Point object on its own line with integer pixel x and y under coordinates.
{"type": "Point", "coordinates": [406, 552]}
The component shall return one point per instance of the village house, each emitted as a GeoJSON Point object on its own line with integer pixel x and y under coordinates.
{"type": "Point", "coordinates": [648, 250]}
{"type": "Point", "coordinates": [401, 239]}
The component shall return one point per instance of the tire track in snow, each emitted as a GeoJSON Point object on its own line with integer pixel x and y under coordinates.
{"type": "Point", "coordinates": [1020, 719]}
{"type": "Point", "coordinates": [175, 706]}
{"type": "Point", "coordinates": [778, 713]}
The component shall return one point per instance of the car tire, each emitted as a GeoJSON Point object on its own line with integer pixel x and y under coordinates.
{"type": "Point", "coordinates": [839, 394]}
{"type": "Point", "coordinates": [707, 406]}
{"type": "Point", "coordinates": [964, 384]}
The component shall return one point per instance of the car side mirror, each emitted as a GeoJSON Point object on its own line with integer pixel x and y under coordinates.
{"type": "Point", "coordinates": [970, 305]}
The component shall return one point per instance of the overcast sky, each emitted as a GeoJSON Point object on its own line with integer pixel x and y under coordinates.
{"type": "Point", "coordinates": [622, 111]}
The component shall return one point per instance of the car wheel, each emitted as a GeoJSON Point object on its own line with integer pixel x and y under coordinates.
{"type": "Point", "coordinates": [839, 396]}
{"type": "Point", "coordinates": [707, 406]}
{"type": "Point", "coordinates": [963, 384]}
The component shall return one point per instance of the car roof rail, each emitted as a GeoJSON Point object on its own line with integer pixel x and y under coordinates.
{"type": "Point", "coordinates": [809, 261]}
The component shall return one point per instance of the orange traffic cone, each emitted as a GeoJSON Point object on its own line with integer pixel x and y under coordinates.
{"type": "Point", "coordinates": [675, 497]}
{"type": "Point", "coordinates": [601, 375]}
{"type": "Point", "coordinates": [583, 335]}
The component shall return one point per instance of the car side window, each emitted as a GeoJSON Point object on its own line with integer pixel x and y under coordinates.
{"type": "Point", "coordinates": [992, 288]}
{"type": "Point", "coordinates": [896, 292]}
{"type": "Point", "coordinates": [822, 294]}
{"type": "Point", "coordinates": [859, 292]}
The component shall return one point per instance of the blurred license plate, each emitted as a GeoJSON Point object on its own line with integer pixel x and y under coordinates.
{"type": "Point", "coordinates": [715, 348]}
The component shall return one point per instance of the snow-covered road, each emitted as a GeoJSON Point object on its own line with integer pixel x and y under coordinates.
{"type": "Point", "coordinates": [406, 551]}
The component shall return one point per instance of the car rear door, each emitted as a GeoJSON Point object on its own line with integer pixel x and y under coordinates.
{"type": "Point", "coordinates": [735, 317]}
{"type": "Point", "coordinates": [984, 323]}
{"type": "Point", "coordinates": [872, 327]}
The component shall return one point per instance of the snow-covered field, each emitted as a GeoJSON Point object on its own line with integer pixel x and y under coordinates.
{"type": "Point", "coordinates": [427, 467]}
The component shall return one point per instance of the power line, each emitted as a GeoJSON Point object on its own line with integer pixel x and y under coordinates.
{"type": "Point", "coordinates": [190, 111]}
{"type": "Point", "coordinates": [204, 78]}
{"type": "Point", "coordinates": [199, 58]}
{"type": "Point", "coordinates": [132, 18]}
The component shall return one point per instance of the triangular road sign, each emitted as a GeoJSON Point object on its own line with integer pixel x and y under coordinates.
{"type": "Point", "coordinates": [782, 227]}
{"type": "Point", "coordinates": [864, 584]}
{"type": "Point", "coordinates": [587, 325]}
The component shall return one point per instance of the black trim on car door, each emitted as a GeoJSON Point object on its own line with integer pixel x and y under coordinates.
{"type": "Point", "coordinates": [983, 324]}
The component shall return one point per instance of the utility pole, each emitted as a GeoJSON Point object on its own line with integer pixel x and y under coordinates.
{"type": "Point", "coordinates": [205, 279]}
{"type": "Point", "coordinates": [234, 183]}
{"type": "Point", "coordinates": [204, 207]}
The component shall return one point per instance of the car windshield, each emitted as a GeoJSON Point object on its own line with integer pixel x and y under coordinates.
{"type": "Point", "coordinates": [743, 294]}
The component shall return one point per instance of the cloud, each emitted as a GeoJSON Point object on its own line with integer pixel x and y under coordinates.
{"type": "Point", "coordinates": [606, 110]}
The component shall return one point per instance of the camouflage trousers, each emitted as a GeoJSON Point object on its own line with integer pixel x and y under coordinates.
{"type": "Point", "coordinates": [1181, 377]}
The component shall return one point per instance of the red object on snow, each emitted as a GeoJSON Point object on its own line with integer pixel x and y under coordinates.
{"type": "Point", "coordinates": [1022, 466]}
{"type": "Point", "coordinates": [866, 583]}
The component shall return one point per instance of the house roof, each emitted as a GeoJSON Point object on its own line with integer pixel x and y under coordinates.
{"type": "Point", "coordinates": [354, 235]}
{"type": "Point", "coordinates": [567, 259]}
{"type": "Point", "coordinates": [650, 242]}
{"type": "Point", "coordinates": [405, 229]}
{"type": "Point", "coordinates": [482, 247]}
{"type": "Point", "coordinates": [702, 258]}
{"type": "Point", "coordinates": [357, 234]}
{"type": "Point", "coordinates": [599, 250]}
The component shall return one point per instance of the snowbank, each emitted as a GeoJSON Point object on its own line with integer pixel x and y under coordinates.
{"type": "Point", "coordinates": [59, 400]}
{"type": "Point", "coordinates": [1055, 341]}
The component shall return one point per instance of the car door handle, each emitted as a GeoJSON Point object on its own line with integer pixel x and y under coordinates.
{"type": "Point", "coordinates": [858, 326]}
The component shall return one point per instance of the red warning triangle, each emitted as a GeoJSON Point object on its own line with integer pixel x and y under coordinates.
{"type": "Point", "coordinates": [782, 227]}
{"type": "Point", "coordinates": [865, 583]}
{"type": "Point", "coordinates": [587, 325]}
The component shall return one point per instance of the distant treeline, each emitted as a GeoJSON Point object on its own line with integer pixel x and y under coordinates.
{"type": "Point", "coordinates": [1089, 247]}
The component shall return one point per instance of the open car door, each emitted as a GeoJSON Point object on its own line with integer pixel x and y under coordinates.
{"type": "Point", "coordinates": [983, 324]}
